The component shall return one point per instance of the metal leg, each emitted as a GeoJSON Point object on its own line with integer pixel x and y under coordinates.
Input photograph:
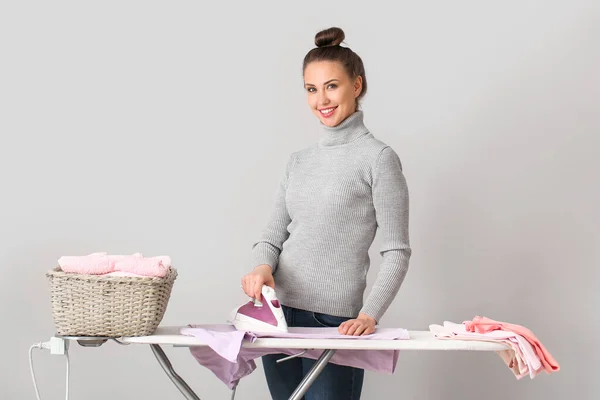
{"type": "Point", "coordinates": [312, 375]}
{"type": "Point", "coordinates": [183, 387]}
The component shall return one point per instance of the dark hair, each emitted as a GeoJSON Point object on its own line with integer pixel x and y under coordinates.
{"type": "Point", "coordinates": [329, 49]}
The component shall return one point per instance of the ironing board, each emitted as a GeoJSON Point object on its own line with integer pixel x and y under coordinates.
{"type": "Point", "coordinates": [170, 336]}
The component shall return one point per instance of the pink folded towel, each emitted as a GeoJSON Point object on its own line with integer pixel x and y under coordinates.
{"type": "Point", "coordinates": [137, 264]}
{"type": "Point", "coordinates": [103, 263]}
{"type": "Point", "coordinates": [92, 264]}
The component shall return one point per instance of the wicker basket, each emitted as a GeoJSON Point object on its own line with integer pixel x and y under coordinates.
{"type": "Point", "coordinates": [108, 306]}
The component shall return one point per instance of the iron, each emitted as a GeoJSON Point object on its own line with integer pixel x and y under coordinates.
{"type": "Point", "coordinates": [264, 315]}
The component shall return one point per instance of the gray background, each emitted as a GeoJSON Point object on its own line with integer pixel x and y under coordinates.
{"type": "Point", "coordinates": [163, 128]}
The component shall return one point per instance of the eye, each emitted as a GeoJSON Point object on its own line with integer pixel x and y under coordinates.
{"type": "Point", "coordinates": [332, 86]}
{"type": "Point", "coordinates": [310, 89]}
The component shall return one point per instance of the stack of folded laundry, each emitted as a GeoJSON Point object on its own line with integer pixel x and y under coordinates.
{"type": "Point", "coordinates": [525, 356]}
{"type": "Point", "coordinates": [116, 265]}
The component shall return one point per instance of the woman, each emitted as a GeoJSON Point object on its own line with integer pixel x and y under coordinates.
{"type": "Point", "coordinates": [332, 199]}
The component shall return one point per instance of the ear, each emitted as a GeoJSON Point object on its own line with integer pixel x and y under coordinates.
{"type": "Point", "coordinates": [357, 86]}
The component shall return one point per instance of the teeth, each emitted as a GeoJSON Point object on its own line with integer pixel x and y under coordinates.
{"type": "Point", "coordinates": [327, 111]}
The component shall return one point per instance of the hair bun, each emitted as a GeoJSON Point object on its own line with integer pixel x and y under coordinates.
{"type": "Point", "coordinates": [329, 37]}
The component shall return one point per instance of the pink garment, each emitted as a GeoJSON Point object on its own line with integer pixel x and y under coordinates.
{"type": "Point", "coordinates": [103, 263]}
{"type": "Point", "coordinates": [485, 325]}
{"type": "Point", "coordinates": [524, 356]}
{"type": "Point", "coordinates": [229, 361]}
{"type": "Point", "coordinates": [137, 264]}
{"type": "Point", "coordinates": [92, 264]}
{"type": "Point", "coordinates": [521, 358]}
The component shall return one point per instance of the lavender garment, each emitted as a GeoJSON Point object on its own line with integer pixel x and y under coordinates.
{"type": "Point", "coordinates": [229, 361]}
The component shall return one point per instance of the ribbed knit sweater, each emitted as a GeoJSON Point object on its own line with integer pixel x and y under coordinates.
{"type": "Point", "coordinates": [333, 197]}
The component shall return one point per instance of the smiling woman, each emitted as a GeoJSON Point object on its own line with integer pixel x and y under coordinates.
{"type": "Point", "coordinates": [334, 78]}
{"type": "Point", "coordinates": [333, 197]}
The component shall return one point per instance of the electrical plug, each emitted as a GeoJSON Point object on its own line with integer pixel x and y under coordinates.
{"type": "Point", "coordinates": [58, 346]}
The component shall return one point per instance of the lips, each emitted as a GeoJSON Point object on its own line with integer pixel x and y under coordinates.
{"type": "Point", "coordinates": [327, 112]}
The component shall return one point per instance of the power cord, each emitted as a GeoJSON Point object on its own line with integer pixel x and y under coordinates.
{"type": "Point", "coordinates": [56, 346]}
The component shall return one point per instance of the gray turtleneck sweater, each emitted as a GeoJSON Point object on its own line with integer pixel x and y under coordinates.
{"type": "Point", "coordinates": [332, 199]}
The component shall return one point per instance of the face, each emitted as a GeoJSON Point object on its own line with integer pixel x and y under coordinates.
{"type": "Point", "coordinates": [331, 92]}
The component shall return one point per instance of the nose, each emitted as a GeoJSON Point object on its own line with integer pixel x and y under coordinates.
{"type": "Point", "coordinates": [323, 99]}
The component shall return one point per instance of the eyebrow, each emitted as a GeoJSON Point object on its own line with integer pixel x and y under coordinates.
{"type": "Point", "coordinates": [329, 81]}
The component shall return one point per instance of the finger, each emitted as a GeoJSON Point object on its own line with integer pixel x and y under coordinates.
{"type": "Point", "coordinates": [369, 330]}
{"type": "Point", "coordinates": [248, 286]}
{"type": "Point", "coordinates": [359, 330]}
{"type": "Point", "coordinates": [360, 327]}
{"type": "Point", "coordinates": [343, 328]}
{"type": "Point", "coordinates": [245, 285]}
{"type": "Point", "coordinates": [348, 325]}
{"type": "Point", "coordinates": [258, 288]}
{"type": "Point", "coordinates": [353, 327]}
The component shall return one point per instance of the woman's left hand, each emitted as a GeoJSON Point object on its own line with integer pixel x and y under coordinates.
{"type": "Point", "coordinates": [362, 325]}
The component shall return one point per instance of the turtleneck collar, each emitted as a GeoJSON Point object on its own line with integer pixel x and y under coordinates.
{"type": "Point", "coordinates": [347, 131]}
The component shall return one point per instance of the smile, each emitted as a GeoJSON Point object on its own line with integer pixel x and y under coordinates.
{"type": "Point", "coordinates": [327, 112]}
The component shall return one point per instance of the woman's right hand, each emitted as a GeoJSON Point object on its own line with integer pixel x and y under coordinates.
{"type": "Point", "coordinates": [252, 282]}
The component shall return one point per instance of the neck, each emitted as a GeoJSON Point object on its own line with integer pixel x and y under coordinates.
{"type": "Point", "coordinates": [345, 132]}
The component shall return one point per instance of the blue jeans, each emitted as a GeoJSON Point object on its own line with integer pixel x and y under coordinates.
{"type": "Point", "coordinates": [335, 382]}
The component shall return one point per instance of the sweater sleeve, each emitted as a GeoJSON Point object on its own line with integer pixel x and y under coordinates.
{"type": "Point", "coordinates": [267, 248]}
{"type": "Point", "coordinates": [390, 199]}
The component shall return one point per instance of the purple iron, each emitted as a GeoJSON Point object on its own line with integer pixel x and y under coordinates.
{"type": "Point", "coordinates": [264, 315]}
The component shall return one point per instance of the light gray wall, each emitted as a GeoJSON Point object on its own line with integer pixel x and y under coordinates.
{"type": "Point", "coordinates": [164, 128]}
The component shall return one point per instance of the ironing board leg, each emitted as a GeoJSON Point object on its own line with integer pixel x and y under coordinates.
{"type": "Point", "coordinates": [312, 374]}
{"type": "Point", "coordinates": [183, 387]}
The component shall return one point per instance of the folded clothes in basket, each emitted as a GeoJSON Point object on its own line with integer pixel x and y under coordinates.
{"type": "Point", "coordinates": [116, 265]}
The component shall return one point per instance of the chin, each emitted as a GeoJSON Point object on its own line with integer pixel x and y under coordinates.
{"type": "Point", "coordinates": [329, 121]}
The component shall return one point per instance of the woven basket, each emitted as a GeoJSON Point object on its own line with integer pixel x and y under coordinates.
{"type": "Point", "coordinates": [108, 306]}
